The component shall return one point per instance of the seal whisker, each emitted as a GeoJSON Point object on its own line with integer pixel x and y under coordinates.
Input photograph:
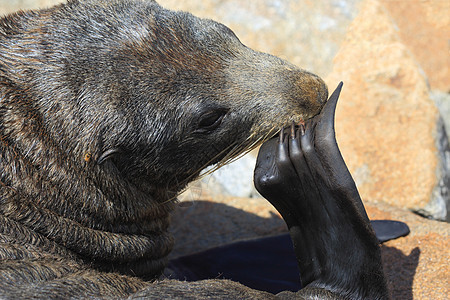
{"type": "Point", "coordinates": [237, 152]}
{"type": "Point", "coordinates": [194, 175]}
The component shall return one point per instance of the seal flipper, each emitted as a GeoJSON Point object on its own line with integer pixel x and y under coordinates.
{"type": "Point", "coordinates": [328, 150]}
{"type": "Point", "coordinates": [307, 181]}
{"type": "Point", "coordinates": [387, 230]}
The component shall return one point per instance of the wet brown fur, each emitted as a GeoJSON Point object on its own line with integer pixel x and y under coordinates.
{"type": "Point", "coordinates": [128, 77]}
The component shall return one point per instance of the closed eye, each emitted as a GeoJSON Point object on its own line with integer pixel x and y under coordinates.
{"type": "Point", "coordinates": [210, 120]}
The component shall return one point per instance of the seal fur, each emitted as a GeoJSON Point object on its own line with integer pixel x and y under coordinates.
{"type": "Point", "coordinates": [106, 108]}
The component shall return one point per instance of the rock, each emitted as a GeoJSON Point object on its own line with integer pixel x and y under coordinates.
{"type": "Point", "coordinates": [416, 266]}
{"type": "Point", "coordinates": [439, 206]}
{"type": "Point", "coordinates": [427, 37]}
{"type": "Point", "coordinates": [235, 179]}
{"type": "Point", "coordinates": [9, 6]}
{"type": "Point", "coordinates": [306, 33]}
{"type": "Point", "coordinates": [386, 122]}
{"type": "Point", "coordinates": [202, 224]}
{"type": "Point", "coordinates": [442, 101]}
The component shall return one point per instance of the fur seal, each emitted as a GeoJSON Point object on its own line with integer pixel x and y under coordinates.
{"type": "Point", "coordinates": [105, 111]}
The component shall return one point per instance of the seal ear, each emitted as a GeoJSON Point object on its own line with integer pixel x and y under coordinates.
{"type": "Point", "coordinates": [107, 155]}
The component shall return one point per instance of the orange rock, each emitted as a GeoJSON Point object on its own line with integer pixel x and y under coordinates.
{"type": "Point", "coordinates": [385, 119]}
{"type": "Point", "coordinates": [416, 266]}
{"type": "Point", "coordinates": [199, 225]}
{"type": "Point", "coordinates": [424, 26]}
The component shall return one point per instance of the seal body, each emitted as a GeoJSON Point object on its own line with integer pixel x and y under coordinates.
{"type": "Point", "coordinates": [107, 110]}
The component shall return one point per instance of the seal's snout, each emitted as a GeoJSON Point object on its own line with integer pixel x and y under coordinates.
{"type": "Point", "coordinates": [322, 91]}
{"type": "Point", "coordinates": [317, 90]}
{"type": "Point", "coordinates": [308, 93]}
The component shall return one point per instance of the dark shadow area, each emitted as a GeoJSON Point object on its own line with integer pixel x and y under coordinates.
{"type": "Point", "coordinates": [215, 240]}
{"type": "Point", "coordinates": [400, 270]}
{"type": "Point", "coordinates": [265, 264]}
{"type": "Point", "coordinates": [200, 225]}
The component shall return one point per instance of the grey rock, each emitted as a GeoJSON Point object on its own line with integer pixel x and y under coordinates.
{"type": "Point", "coordinates": [439, 206]}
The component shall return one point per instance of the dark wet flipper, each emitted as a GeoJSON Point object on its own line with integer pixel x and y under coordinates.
{"type": "Point", "coordinates": [335, 245]}
{"type": "Point", "coordinates": [327, 147]}
{"type": "Point", "coordinates": [387, 230]}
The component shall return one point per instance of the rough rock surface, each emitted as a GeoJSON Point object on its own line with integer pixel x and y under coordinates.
{"type": "Point", "coordinates": [424, 27]}
{"type": "Point", "coordinates": [235, 179]}
{"type": "Point", "coordinates": [416, 266]}
{"type": "Point", "coordinates": [307, 33]}
{"type": "Point", "coordinates": [215, 221]}
{"type": "Point", "coordinates": [386, 121]}
{"type": "Point", "coordinates": [8, 6]}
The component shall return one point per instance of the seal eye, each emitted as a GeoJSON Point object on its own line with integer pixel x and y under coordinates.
{"type": "Point", "coordinates": [210, 120]}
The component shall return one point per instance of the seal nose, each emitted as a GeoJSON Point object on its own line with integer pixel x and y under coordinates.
{"type": "Point", "coordinates": [322, 91]}
{"type": "Point", "coordinates": [306, 92]}
{"type": "Point", "coordinates": [313, 90]}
